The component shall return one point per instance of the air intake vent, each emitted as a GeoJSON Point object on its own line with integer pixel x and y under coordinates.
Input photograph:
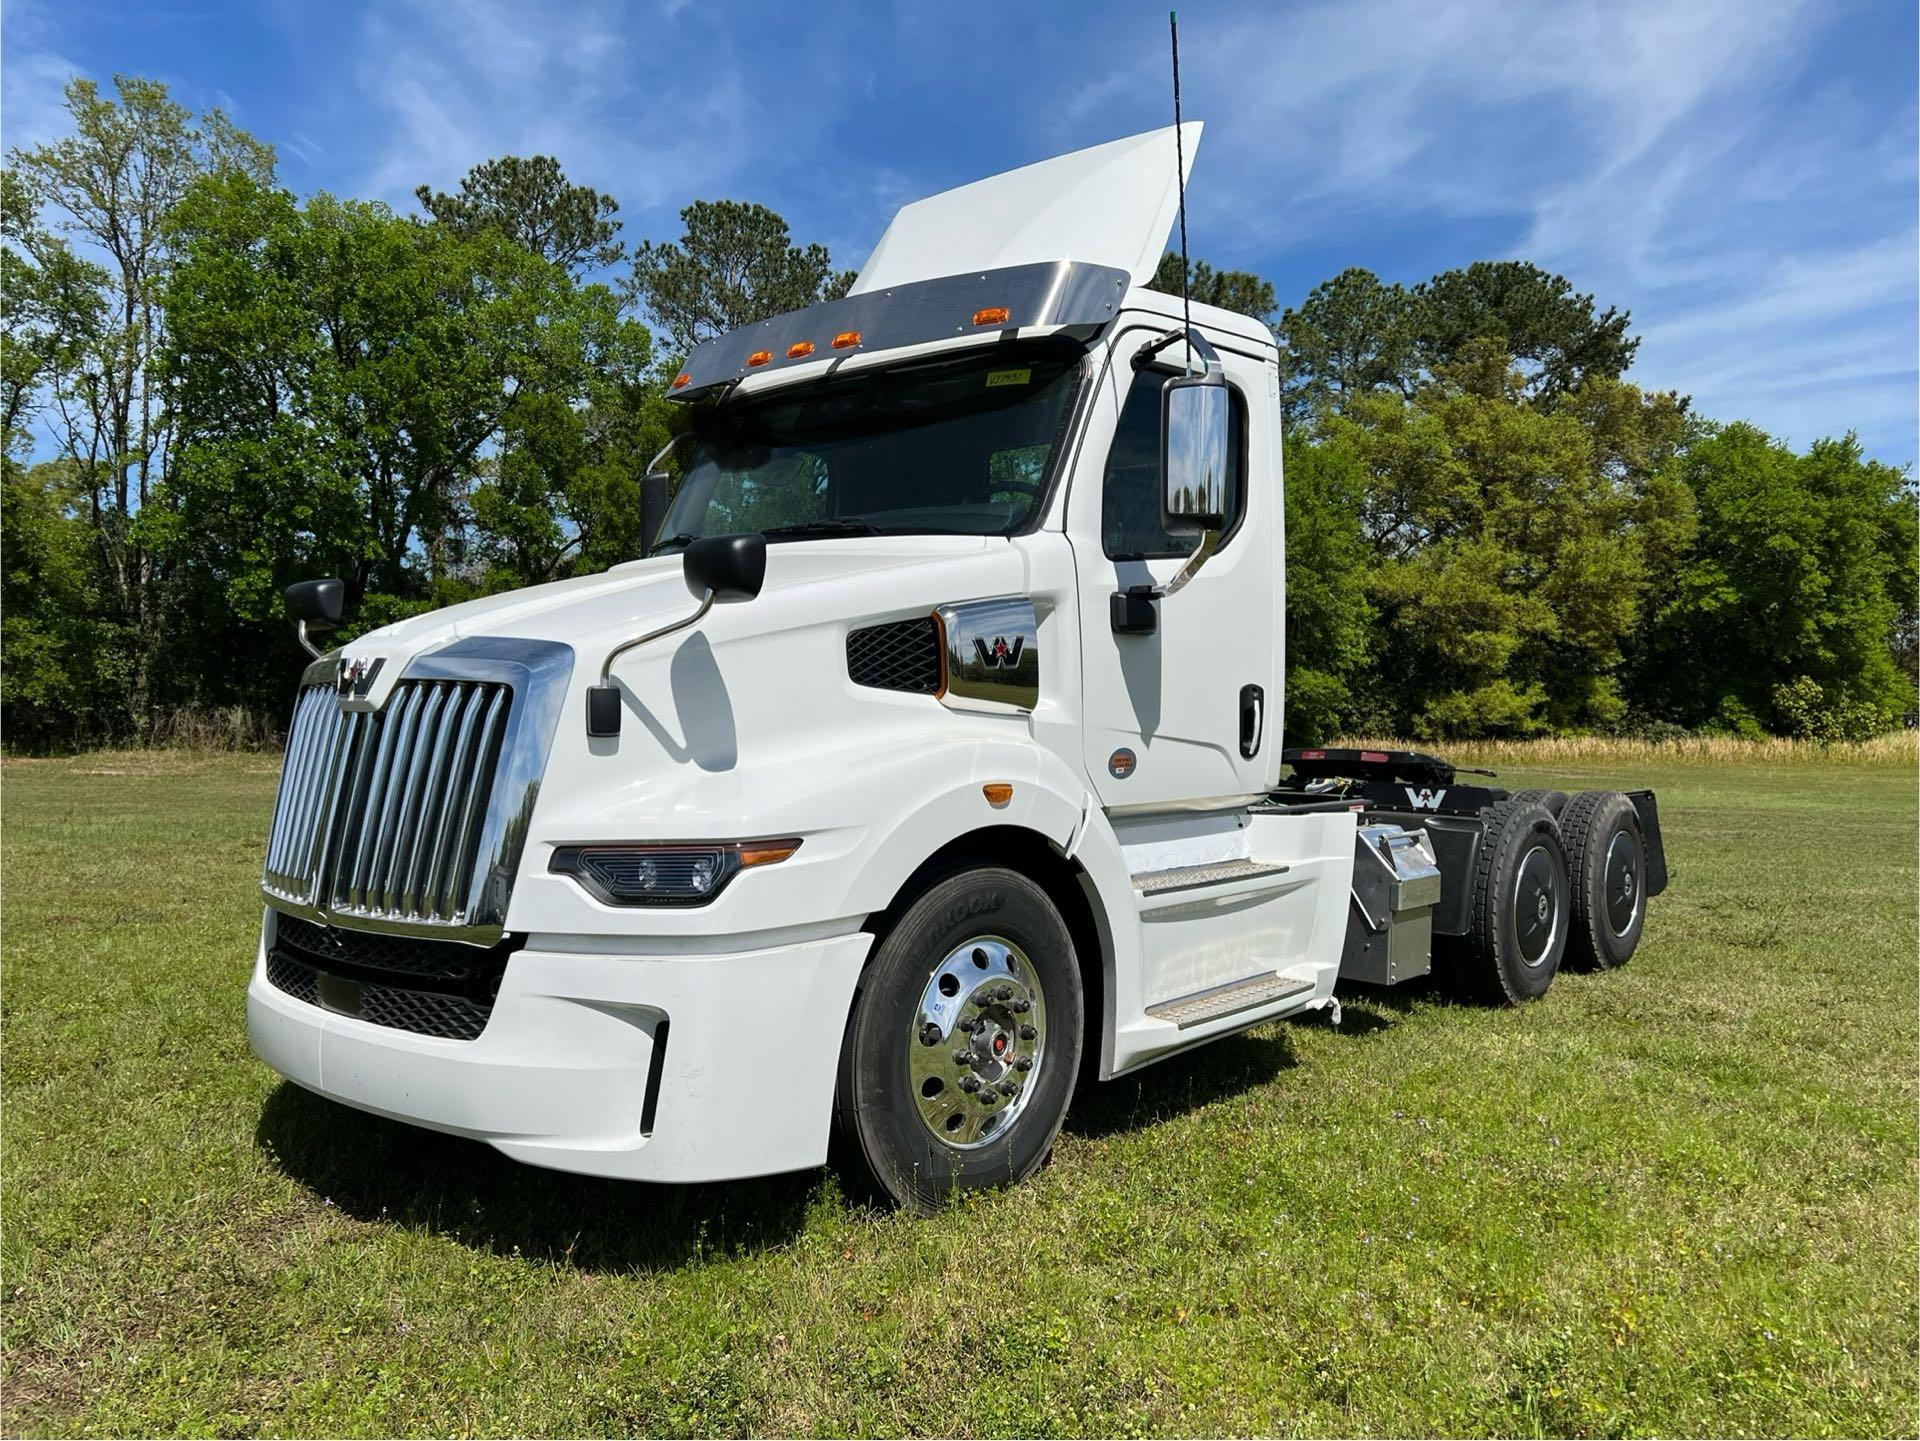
{"type": "Point", "coordinates": [903, 656]}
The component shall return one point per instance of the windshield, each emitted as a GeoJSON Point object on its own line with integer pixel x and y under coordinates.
{"type": "Point", "coordinates": [956, 446]}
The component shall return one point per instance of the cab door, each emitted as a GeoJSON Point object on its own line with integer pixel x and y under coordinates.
{"type": "Point", "coordinates": [1182, 715]}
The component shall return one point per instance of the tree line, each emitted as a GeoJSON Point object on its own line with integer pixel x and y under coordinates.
{"type": "Point", "coordinates": [1490, 532]}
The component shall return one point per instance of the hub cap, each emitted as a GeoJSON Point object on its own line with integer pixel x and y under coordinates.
{"type": "Point", "coordinates": [1538, 906]}
{"type": "Point", "coordinates": [1623, 883]}
{"type": "Point", "coordinates": [975, 1045]}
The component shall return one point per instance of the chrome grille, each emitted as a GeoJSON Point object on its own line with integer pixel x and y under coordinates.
{"type": "Point", "coordinates": [381, 814]}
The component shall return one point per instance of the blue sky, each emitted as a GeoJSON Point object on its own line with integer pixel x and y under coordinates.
{"type": "Point", "coordinates": [1740, 174]}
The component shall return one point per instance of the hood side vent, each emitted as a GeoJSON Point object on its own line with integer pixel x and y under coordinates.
{"type": "Point", "coordinates": [903, 655]}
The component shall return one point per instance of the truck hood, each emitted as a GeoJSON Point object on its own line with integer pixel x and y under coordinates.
{"type": "Point", "coordinates": [593, 613]}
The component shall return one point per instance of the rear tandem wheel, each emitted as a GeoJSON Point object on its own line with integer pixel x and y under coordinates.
{"type": "Point", "coordinates": [1518, 908]}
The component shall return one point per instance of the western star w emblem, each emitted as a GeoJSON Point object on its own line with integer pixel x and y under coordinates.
{"type": "Point", "coordinates": [1425, 798]}
{"type": "Point", "coordinates": [356, 677]}
{"type": "Point", "coordinates": [1000, 655]}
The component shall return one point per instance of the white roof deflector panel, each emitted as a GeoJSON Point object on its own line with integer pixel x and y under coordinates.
{"type": "Point", "coordinates": [1111, 205]}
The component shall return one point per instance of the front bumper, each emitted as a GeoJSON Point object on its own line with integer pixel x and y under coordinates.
{"type": "Point", "coordinates": [559, 1077]}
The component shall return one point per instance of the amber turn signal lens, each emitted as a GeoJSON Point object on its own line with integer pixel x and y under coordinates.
{"type": "Point", "coordinates": [681, 379]}
{"type": "Point", "coordinates": [998, 793]}
{"type": "Point", "coordinates": [799, 348]}
{"type": "Point", "coordinates": [846, 340]}
{"type": "Point", "coordinates": [760, 357]}
{"type": "Point", "coordinates": [765, 853]}
{"type": "Point", "coordinates": [992, 315]}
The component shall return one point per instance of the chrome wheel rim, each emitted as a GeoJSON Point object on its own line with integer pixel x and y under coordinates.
{"type": "Point", "coordinates": [1623, 888]}
{"type": "Point", "coordinates": [976, 1043]}
{"type": "Point", "coordinates": [1539, 908]}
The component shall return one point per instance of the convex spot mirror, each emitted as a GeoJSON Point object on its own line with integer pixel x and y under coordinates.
{"type": "Point", "coordinates": [1194, 414]}
{"type": "Point", "coordinates": [731, 567]}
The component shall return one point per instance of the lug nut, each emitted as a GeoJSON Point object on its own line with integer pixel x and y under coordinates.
{"type": "Point", "coordinates": [963, 1058]}
{"type": "Point", "coordinates": [1027, 1033]}
{"type": "Point", "coordinates": [1024, 1063]}
{"type": "Point", "coordinates": [1007, 1089]}
{"type": "Point", "coordinates": [969, 1083]}
{"type": "Point", "coordinates": [1022, 1006]}
{"type": "Point", "coordinates": [987, 1097]}
{"type": "Point", "coordinates": [1006, 993]}
{"type": "Point", "coordinates": [930, 1034]}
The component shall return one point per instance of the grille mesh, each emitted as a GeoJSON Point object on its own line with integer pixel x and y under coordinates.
{"type": "Point", "coordinates": [381, 814]}
{"type": "Point", "coordinates": [903, 656]}
{"type": "Point", "coordinates": [369, 950]}
{"type": "Point", "coordinates": [443, 1014]}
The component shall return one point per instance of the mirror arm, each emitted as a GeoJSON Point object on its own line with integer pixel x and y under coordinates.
{"type": "Point", "coordinates": [606, 666]}
{"type": "Point", "coordinates": [1201, 552]}
{"type": "Point", "coordinates": [312, 649]}
{"type": "Point", "coordinates": [1198, 343]}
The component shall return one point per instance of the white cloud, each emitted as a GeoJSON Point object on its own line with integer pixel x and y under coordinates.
{"type": "Point", "coordinates": [1674, 159]}
{"type": "Point", "coordinates": [32, 103]}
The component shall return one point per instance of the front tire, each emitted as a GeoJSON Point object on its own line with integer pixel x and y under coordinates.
{"type": "Point", "coordinates": [965, 1040]}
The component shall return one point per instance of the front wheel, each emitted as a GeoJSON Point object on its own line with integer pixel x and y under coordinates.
{"type": "Point", "coordinates": [965, 1040]}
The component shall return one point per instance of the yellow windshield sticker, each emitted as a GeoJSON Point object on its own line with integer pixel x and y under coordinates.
{"type": "Point", "coordinates": [1008, 377]}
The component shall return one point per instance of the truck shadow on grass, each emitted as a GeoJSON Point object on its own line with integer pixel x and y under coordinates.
{"type": "Point", "coordinates": [386, 1173]}
{"type": "Point", "coordinates": [1223, 1068]}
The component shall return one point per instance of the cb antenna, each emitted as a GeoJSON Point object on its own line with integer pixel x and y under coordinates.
{"type": "Point", "coordinates": [1180, 177]}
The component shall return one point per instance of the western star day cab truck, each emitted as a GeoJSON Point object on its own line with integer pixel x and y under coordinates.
{"type": "Point", "coordinates": [929, 760]}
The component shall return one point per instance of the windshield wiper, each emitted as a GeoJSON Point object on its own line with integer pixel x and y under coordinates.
{"type": "Point", "coordinates": [678, 541]}
{"type": "Point", "coordinates": [828, 525]}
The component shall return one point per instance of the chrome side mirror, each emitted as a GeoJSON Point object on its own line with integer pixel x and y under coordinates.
{"type": "Point", "coordinates": [315, 605]}
{"type": "Point", "coordinates": [1194, 427]}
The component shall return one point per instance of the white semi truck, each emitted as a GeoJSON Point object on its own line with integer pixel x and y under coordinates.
{"type": "Point", "coordinates": [926, 763]}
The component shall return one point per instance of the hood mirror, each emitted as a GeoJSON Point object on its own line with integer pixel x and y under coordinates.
{"type": "Point", "coordinates": [315, 605]}
{"type": "Point", "coordinates": [726, 567]}
{"type": "Point", "coordinates": [717, 569]}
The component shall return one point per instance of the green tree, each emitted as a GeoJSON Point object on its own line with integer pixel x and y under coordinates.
{"type": "Point", "coordinates": [1799, 572]}
{"type": "Point", "coordinates": [52, 306]}
{"type": "Point", "coordinates": [1329, 620]}
{"type": "Point", "coordinates": [114, 184]}
{"type": "Point", "coordinates": [64, 680]}
{"type": "Point", "coordinates": [341, 377]}
{"type": "Point", "coordinates": [1512, 547]}
{"type": "Point", "coordinates": [529, 200]}
{"type": "Point", "coordinates": [1236, 290]}
{"type": "Point", "coordinates": [1557, 336]}
{"type": "Point", "coordinates": [736, 263]}
{"type": "Point", "coordinates": [1355, 334]}
{"type": "Point", "coordinates": [1351, 336]}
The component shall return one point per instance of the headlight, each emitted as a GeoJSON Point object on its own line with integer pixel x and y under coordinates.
{"type": "Point", "coordinates": [664, 875]}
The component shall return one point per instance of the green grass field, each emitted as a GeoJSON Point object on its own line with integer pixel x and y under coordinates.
{"type": "Point", "coordinates": [1678, 1198]}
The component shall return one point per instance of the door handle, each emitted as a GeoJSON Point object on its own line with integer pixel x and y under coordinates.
{"type": "Point", "coordinates": [1253, 719]}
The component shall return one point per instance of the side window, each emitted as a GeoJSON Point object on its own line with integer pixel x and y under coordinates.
{"type": "Point", "coordinates": [1130, 490]}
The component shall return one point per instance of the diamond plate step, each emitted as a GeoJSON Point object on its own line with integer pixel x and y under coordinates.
{"type": "Point", "coordinates": [1213, 873]}
{"type": "Point", "coordinates": [1221, 1001]}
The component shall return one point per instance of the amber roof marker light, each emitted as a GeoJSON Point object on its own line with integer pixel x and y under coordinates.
{"type": "Point", "coordinates": [760, 357]}
{"type": "Point", "coordinates": [681, 380]}
{"type": "Point", "coordinates": [846, 340]}
{"type": "Point", "coordinates": [991, 315]}
{"type": "Point", "coordinates": [799, 349]}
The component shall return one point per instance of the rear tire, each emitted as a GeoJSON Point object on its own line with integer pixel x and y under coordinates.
{"type": "Point", "coordinates": [965, 1041]}
{"type": "Point", "coordinates": [1607, 859]}
{"type": "Point", "coordinates": [1554, 801]}
{"type": "Point", "coordinates": [1518, 911]}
